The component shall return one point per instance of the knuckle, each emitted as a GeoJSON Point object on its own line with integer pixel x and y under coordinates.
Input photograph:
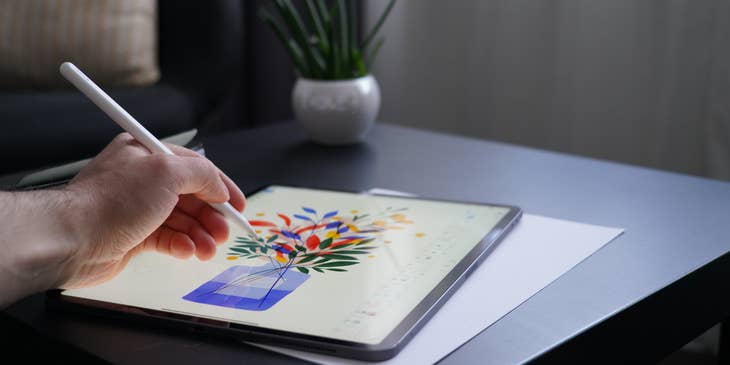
{"type": "Point", "coordinates": [123, 138]}
{"type": "Point", "coordinates": [162, 165]}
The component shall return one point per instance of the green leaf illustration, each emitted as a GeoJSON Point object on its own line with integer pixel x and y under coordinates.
{"type": "Point", "coordinates": [303, 270]}
{"type": "Point", "coordinates": [317, 270]}
{"type": "Point", "coordinates": [338, 270]}
{"type": "Point", "coordinates": [340, 257]}
{"type": "Point", "coordinates": [272, 238]}
{"type": "Point", "coordinates": [325, 243]}
{"type": "Point", "coordinates": [338, 263]}
{"type": "Point", "coordinates": [240, 250]}
{"type": "Point", "coordinates": [352, 252]}
{"type": "Point", "coordinates": [307, 258]}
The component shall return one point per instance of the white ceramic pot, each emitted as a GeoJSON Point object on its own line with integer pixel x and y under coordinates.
{"type": "Point", "coordinates": [336, 112]}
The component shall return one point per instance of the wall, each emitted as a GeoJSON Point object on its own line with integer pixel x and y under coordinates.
{"type": "Point", "coordinates": [624, 80]}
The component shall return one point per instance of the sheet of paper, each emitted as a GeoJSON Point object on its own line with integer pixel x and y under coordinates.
{"type": "Point", "coordinates": [549, 247]}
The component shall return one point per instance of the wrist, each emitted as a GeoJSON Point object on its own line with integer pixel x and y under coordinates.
{"type": "Point", "coordinates": [41, 239]}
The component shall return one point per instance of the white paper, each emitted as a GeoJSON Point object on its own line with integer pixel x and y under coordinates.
{"type": "Point", "coordinates": [548, 247]}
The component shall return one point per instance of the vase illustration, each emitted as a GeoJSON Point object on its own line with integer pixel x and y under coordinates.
{"type": "Point", "coordinates": [255, 288]}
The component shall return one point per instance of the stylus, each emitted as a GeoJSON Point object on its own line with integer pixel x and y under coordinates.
{"type": "Point", "coordinates": [133, 127]}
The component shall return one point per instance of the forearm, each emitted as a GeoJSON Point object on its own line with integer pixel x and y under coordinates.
{"type": "Point", "coordinates": [35, 242]}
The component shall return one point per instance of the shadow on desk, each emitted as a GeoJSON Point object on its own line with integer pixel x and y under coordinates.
{"type": "Point", "coordinates": [20, 341]}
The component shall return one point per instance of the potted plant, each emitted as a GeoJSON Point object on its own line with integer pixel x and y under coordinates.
{"type": "Point", "coordinates": [335, 97]}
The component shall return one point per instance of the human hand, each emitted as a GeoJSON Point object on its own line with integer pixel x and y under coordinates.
{"type": "Point", "coordinates": [129, 200]}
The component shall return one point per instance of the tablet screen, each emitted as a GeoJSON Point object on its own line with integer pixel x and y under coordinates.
{"type": "Point", "coordinates": [331, 264]}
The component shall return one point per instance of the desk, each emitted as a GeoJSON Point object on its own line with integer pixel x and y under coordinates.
{"type": "Point", "coordinates": [638, 299]}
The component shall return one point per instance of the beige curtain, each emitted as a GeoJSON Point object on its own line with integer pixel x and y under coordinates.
{"type": "Point", "coordinates": [643, 82]}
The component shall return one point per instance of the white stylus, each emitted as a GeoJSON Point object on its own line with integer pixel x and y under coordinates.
{"type": "Point", "coordinates": [133, 127]}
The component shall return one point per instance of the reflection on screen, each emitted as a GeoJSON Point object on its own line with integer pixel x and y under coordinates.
{"type": "Point", "coordinates": [329, 264]}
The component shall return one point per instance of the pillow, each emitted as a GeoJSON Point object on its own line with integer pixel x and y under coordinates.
{"type": "Point", "coordinates": [112, 41]}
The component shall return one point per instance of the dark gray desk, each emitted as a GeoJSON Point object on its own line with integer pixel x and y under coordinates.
{"type": "Point", "coordinates": [638, 299]}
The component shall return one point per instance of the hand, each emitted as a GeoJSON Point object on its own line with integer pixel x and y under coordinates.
{"type": "Point", "coordinates": [128, 200]}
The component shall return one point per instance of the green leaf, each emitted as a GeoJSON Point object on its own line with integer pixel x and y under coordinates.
{"type": "Point", "coordinates": [299, 32]}
{"type": "Point", "coordinates": [325, 243]}
{"type": "Point", "coordinates": [317, 269]}
{"type": "Point", "coordinates": [338, 263]}
{"type": "Point", "coordinates": [307, 258]}
{"type": "Point", "coordinates": [344, 38]}
{"type": "Point", "coordinates": [358, 63]}
{"type": "Point", "coordinates": [303, 270]}
{"type": "Point", "coordinates": [323, 260]}
{"type": "Point", "coordinates": [264, 249]}
{"type": "Point", "coordinates": [338, 270]}
{"type": "Point", "coordinates": [366, 241]}
{"type": "Point", "coordinates": [339, 257]}
{"type": "Point", "coordinates": [377, 26]}
{"type": "Point", "coordinates": [292, 255]}
{"type": "Point", "coordinates": [316, 20]}
{"type": "Point", "coordinates": [352, 252]}
{"type": "Point", "coordinates": [239, 250]}
{"type": "Point", "coordinates": [272, 238]}
{"type": "Point", "coordinates": [374, 53]}
{"type": "Point", "coordinates": [280, 33]}
{"type": "Point", "coordinates": [301, 248]}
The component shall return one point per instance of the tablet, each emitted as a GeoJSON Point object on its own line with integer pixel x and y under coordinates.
{"type": "Point", "coordinates": [346, 274]}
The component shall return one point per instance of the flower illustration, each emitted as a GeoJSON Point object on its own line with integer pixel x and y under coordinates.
{"type": "Point", "coordinates": [304, 242]}
{"type": "Point", "coordinates": [309, 241]}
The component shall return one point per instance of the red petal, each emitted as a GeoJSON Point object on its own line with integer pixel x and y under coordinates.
{"type": "Point", "coordinates": [286, 219]}
{"type": "Point", "coordinates": [309, 228]}
{"type": "Point", "coordinates": [262, 223]}
{"type": "Point", "coordinates": [343, 242]}
{"type": "Point", "coordinates": [312, 242]}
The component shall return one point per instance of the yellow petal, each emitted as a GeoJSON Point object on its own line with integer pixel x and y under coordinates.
{"type": "Point", "coordinates": [232, 257]}
{"type": "Point", "coordinates": [353, 228]}
{"type": "Point", "coordinates": [260, 214]}
{"type": "Point", "coordinates": [379, 223]}
{"type": "Point", "coordinates": [420, 234]}
{"type": "Point", "coordinates": [353, 211]}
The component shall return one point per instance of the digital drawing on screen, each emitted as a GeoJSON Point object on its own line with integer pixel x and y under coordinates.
{"type": "Point", "coordinates": [291, 248]}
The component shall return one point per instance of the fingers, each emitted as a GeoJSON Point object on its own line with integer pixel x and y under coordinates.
{"type": "Point", "coordinates": [171, 239]}
{"type": "Point", "coordinates": [202, 239]}
{"type": "Point", "coordinates": [212, 221]}
{"type": "Point", "coordinates": [195, 176]}
{"type": "Point", "coordinates": [236, 197]}
{"type": "Point", "coordinates": [170, 242]}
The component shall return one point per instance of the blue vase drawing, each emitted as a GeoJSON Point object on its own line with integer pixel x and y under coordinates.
{"type": "Point", "coordinates": [255, 288]}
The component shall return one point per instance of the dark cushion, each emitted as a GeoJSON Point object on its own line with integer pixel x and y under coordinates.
{"type": "Point", "coordinates": [43, 128]}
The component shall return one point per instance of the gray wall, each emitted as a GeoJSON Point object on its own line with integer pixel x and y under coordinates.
{"type": "Point", "coordinates": [627, 80]}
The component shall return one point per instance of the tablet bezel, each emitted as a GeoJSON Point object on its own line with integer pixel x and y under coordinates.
{"type": "Point", "coordinates": [388, 348]}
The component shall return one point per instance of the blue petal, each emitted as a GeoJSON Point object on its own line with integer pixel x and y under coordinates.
{"type": "Point", "coordinates": [291, 235]}
{"type": "Point", "coordinates": [343, 229]}
{"type": "Point", "coordinates": [332, 225]}
{"type": "Point", "coordinates": [302, 217]}
{"type": "Point", "coordinates": [309, 210]}
{"type": "Point", "coordinates": [330, 214]}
